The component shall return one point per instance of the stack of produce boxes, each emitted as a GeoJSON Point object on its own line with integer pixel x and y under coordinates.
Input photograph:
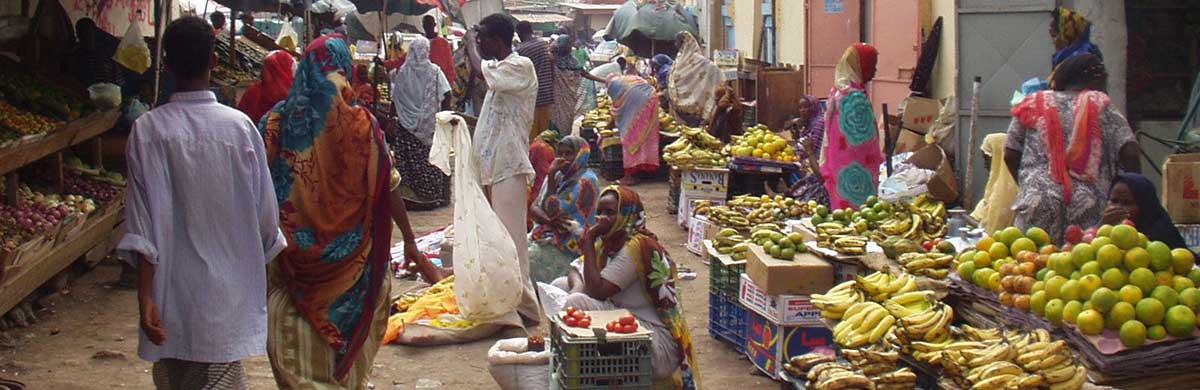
{"type": "Point", "coordinates": [726, 316]}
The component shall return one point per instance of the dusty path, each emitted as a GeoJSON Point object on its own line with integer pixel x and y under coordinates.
{"type": "Point", "coordinates": [89, 339]}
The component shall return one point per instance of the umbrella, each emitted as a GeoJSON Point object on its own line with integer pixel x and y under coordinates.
{"type": "Point", "coordinates": [406, 7]}
{"type": "Point", "coordinates": [649, 26]}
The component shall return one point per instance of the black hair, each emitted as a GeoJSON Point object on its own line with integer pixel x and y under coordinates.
{"type": "Point", "coordinates": [496, 26]}
{"type": "Point", "coordinates": [608, 37]}
{"type": "Point", "coordinates": [524, 28]}
{"type": "Point", "coordinates": [218, 19]}
{"type": "Point", "coordinates": [428, 19]}
{"type": "Point", "coordinates": [188, 47]}
{"type": "Point", "coordinates": [1080, 71]}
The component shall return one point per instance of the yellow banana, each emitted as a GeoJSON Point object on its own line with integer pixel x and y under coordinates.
{"type": "Point", "coordinates": [1075, 383]}
{"type": "Point", "coordinates": [1061, 373]}
{"type": "Point", "coordinates": [882, 327]}
{"type": "Point", "coordinates": [995, 382]}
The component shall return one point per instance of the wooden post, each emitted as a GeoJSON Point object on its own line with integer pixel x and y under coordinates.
{"type": "Point", "coordinates": [966, 192]}
{"type": "Point", "coordinates": [888, 145]}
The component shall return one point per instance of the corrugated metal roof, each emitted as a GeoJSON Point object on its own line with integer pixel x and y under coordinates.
{"type": "Point", "coordinates": [542, 18]}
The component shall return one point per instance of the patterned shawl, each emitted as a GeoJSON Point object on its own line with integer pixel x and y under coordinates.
{"type": "Point", "coordinates": [330, 171]}
{"type": "Point", "coordinates": [693, 80]}
{"type": "Point", "coordinates": [575, 198]}
{"type": "Point", "coordinates": [1074, 35]}
{"type": "Point", "coordinates": [1081, 159]}
{"type": "Point", "coordinates": [656, 268]}
{"type": "Point", "coordinates": [276, 80]}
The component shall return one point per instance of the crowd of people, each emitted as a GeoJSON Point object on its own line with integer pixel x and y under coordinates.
{"type": "Point", "coordinates": [266, 229]}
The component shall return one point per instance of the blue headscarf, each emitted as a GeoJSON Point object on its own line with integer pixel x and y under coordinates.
{"type": "Point", "coordinates": [1151, 219]}
{"type": "Point", "coordinates": [664, 64]}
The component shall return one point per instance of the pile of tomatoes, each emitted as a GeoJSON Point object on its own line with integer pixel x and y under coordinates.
{"type": "Point", "coordinates": [576, 318]}
{"type": "Point", "coordinates": [625, 324]}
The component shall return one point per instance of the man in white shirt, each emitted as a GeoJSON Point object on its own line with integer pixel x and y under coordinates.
{"type": "Point", "coordinates": [201, 225]}
{"type": "Point", "coordinates": [502, 141]}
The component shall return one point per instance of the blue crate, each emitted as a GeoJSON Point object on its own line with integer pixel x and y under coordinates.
{"type": "Point", "coordinates": [727, 321]}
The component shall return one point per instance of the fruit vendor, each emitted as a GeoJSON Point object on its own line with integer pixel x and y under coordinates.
{"type": "Point", "coordinates": [851, 154]}
{"type": "Point", "coordinates": [635, 112]}
{"type": "Point", "coordinates": [624, 267]}
{"type": "Point", "coordinates": [565, 206]}
{"type": "Point", "coordinates": [693, 82]}
{"type": "Point", "coordinates": [1065, 146]}
{"type": "Point", "coordinates": [808, 132]}
{"type": "Point", "coordinates": [726, 121]}
{"type": "Point", "coordinates": [994, 211]}
{"type": "Point", "coordinates": [1133, 198]}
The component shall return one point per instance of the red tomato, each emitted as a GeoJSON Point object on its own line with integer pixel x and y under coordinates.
{"type": "Point", "coordinates": [571, 310]}
{"type": "Point", "coordinates": [628, 328]}
{"type": "Point", "coordinates": [612, 326]}
{"type": "Point", "coordinates": [627, 320]}
{"type": "Point", "coordinates": [586, 322]}
{"type": "Point", "coordinates": [579, 314]}
{"type": "Point", "coordinates": [571, 321]}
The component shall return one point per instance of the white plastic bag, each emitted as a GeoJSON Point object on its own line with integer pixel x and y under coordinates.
{"type": "Point", "coordinates": [133, 53]}
{"type": "Point", "coordinates": [105, 95]}
{"type": "Point", "coordinates": [486, 268]}
{"type": "Point", "coordinates": [905, 185]}
{"type": "Point", "coordinates": [515, 368]}
{"type": "Point", "coordinates": [287, 37]}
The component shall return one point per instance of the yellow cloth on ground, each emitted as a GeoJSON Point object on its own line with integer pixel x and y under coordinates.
{"type": "Point", "coordinates": [433, 303]}
{"type": "Point", "coordinates": [994, 211]}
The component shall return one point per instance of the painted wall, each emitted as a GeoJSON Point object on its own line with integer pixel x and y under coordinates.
{"type": "Point", "coordinates": [789, 22]}
{"type": "Point", "coordinates": [747, 20]}
{"type": "Point", "coordinates": [945, 71]}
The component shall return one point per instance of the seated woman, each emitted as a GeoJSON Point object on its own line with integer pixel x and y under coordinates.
{"type": "Point", "coordinates": [564, 207]}
{"type": "Point", "coordinates": [624, 267]}
{"type": "Point", "coordinates": [808, 131]}
{"type": "Point", "coordinates": [1132, 197]}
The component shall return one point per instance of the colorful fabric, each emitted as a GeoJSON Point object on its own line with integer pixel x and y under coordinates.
{"type": "Point", "coordinates": [271, 89]}
{"type": "Point", "coordinates": [575, 197]}
{"type": "Point", "coordinates": [364, 89]}
{"type": "Point", "coordinates": [330, 172]}
{"type": "Point", "coordinates": [629, 232]}
{"type": "Point", "coordinates": [538, 51]}
{"type": "Point", "coordinates": [851, 154]}
{"type": "Point", "coordinates": [635, 109]}
{"type": "Point", "coordinates": [441, 53]}
{"type": "Point", "coordinates": [1041, 199]}
{"type": "Point", "coordinates": [810, 134]}
{"type": "Point", "coordinates": [1073, 35]}
{"type": "Point", "coordinates": [566, 87]}
{"type": "Point", "coordinates": [1151, 219]}
{"type": "Point", "coordinates": [1081, 161]}
{"type": "Point", "coordinates": [541, 154]}
{"type": "Point", "coordinates": [418, 89]}
{"type": "Point", "coordinates": [664, 63]}
{"type": "Point", "coordinates": [423, 185]}
{"type": "Point", "coordinates": [693, 81]}
{"type": "Point", "coordinates": [994, 211]}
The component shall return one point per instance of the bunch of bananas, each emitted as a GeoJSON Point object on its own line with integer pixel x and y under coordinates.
{"type": "Point", "coordinates": [902, 379]}
{"type": "Point", "coordinates": [921, 220]}
{"type": "Point", "coordinates": [931, 325]}
{"type": "Point", "coordinates": [695, 147]}
{"type": "Point", "coordinates": [837, 376]}
{"type": "Point", "coordinates": [932, 265]}
{"type": "Point", "coordinates": [701, 207]}
{"type": "Point", "coordinates": [837, 300]}
{"type": "Point", "coordinates": [844, 239]}
{"type": "Point", "coordinates": [863, 323]}
{"type": "Point", "coordinates": [600, 118]}
{"type": "Point", "coordinates": [799, 365]}
{"type": "Point", "coordinates": [872, 362]}
{"type": "Point", "coordinates": [783, 207]}
{"type": "Point", "coordinates": [994, 359]}
{"type": "Point", "coordinates": [726, 217]}
{"type": "Point", "coordinates": [729, 242]}
{"type": "Point", "coordinates": [667, 122]}
{"type": "Point", "coordinates": [880, 286]}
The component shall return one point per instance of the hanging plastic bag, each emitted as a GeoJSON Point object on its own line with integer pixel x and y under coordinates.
{"type": "Point", "coordinates": [133, 53]}
{"type": "Point", "coordinates": [287, 37]}
{"type": "Point", "coordinates": [485, 259]}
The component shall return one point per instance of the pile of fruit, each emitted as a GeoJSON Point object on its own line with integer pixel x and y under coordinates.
{"type": "Point", "coordinates": [626, 324]}
{"type": "Point", "coordinates": [760, 142]}
{"type": "Point", "coordinates": [857, 303]}
{"type": "Point", "coordinates": [868, 368]}
{"type": "Point", "coordinates": [99, 189]}
{"type": "Point", "coordinates": [932, 265]}
{"type": "Point", "coordinates": [921, 220]}
{"type": "Point", "coordinates": [1117, 280]}
{"type": "Point", "coordinates": [576, 318]}
{"type": "Point", "coordinates": [23, 122]}
{"type": "Point", "coordinates": [846, 240]}
{"type": "Point", "coordinates": [780, 246]}
{"type": "Point", "coordinates": [37, 214]}
{"type": "Point", "coordinates": [729, 242]}
{"type": "Point", "coordinates": [994, 359]}
{"type": "Point", "coordinates": [600, 118]}
{"type": "Point", "coordinates": [695, 147]}
{"type": "Point", "coordinates": [745, 210]}
{"type": "Point", "coordinates": [29, 94]}
{"type": "Point", "coordinates": [668, 124]}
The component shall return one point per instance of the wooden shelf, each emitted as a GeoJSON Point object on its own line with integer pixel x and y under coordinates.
{"type": "Point", "coordinates": [29, 274]}
{"type": "Point", "coordinates": [75, 132]}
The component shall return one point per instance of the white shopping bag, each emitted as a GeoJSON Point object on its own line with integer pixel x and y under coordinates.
{"type": "Point", "coordinates": [486, 269]}
{"type": "Point", "coordinates": [133, 53]}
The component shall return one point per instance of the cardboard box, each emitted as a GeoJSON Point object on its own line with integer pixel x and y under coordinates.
{"type": "Point", "coordinates": [769, 345]}
{"type": "Point", "coordinates": [699, 230]}
{"type": "Point", "coordinates": [843, 272]}
{"type": "Point", "coordinates": [942, 186]}
{"type": "Point", "coordinates": [1180, 194]}
{"type": "Point", "coordinates": [805, 274]}
{"type": "Point", "coordinates": [780, 309]}
{"type": "Point", "coordinates": [918, 113]}
{"type": "Point", "coordinates": [700, 184]}
{"type": "Point", "coordinates": [909, 141]}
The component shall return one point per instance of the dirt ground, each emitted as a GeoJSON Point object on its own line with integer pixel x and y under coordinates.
{"type": "Point", "coordinates": [88, 340]}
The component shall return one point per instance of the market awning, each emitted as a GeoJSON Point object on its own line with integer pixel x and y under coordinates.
{"type": "Point", "coordinates": [536, 18]}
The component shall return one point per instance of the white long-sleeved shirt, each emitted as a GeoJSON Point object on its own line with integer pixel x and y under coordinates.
{"type": "Point", "coordinates": [502, 133]}
{"type": "Point", "coordinates": [201, 207]}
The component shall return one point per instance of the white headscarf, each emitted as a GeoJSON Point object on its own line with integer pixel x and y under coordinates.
{"type": "Point", "coordinates": [694, 79]}
{"type": "Point", "coordinates": [417, 91]}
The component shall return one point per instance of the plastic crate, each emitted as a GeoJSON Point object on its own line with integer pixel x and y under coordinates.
{"type": "Point", "coordinates": [727, 321]}
{"type": "Point", "coordinates": [725, 279]}
{"type": "Point", "coordinates": [612, 166]}
{"type": "Point", "coordinates": [590, 365]}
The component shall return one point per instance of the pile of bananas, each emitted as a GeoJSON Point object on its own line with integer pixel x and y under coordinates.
{"type": "Point", "coordinates": [723, 216]}
{"type": "Point", "coordinates": [799, 365]}
{"type": "Point", "coordinates": [880, 286]}
{"type": "Point", "coordinates": [837, 376]}
{"type": "Point", "coordinates": [729, 242]}
{"type": "Point", "coordinates": [847, 240]}
{"type": "Point", "coordinates": [837, 300]}
{"type": "Point", "coordinates": [994, 359]}
{"type": "Point", "coordinates": [863, 323]}
{"type": "Point", "coordinates": [667, 123]}
{"type": "Point", "coordinates": [931, 325]}
{"type": "Point", "coordinates": [695, 147]}
{"type": "Point", "coordinates": [600, 118]}
{"type": "Point", "coordinates": [921, 220]}
{"type": "Point", "coordinates": [880, 367]}
{"type": "Point", "coordinates": [932, 265]}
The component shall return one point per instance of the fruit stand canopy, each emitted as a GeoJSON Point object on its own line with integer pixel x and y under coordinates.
{"type": "Point", "coordinates": [649, 27]}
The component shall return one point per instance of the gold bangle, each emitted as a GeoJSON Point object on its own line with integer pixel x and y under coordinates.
{"type": "Point", "coordinates": [394, 180]}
